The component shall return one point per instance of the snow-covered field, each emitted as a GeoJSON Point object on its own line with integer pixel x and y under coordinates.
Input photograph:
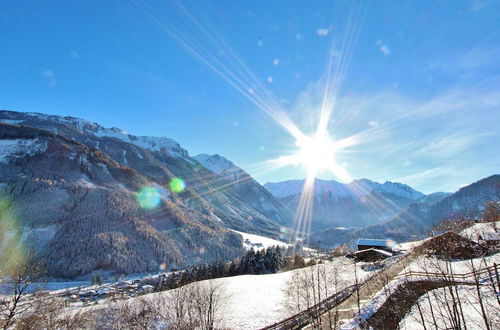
{"type": "Point", "coordinates": [254, 301]}
{"type": "Point", "coordinates": [435, 265]}
{"type": "Point", "coordinates": [259, 242]}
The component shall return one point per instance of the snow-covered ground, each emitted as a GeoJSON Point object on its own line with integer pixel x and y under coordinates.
{"type": "Point", "coordinates": [407, 246]}
{"type": "Point", "coordinates": [254, 301]}
{"type": "Point", "coordinates": [259, 242]}
{"type": "Point", "coordinates": [425, 264]}
{"type": "Point", "coordinates": [483, 230]}
{"type": "Point", "coordinates": [435, 265]}
{"type": "Point", "coordinates": [440, 298]}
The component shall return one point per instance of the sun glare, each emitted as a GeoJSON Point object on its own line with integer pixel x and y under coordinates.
{"type": "Point", "coordinates": [315, 153]}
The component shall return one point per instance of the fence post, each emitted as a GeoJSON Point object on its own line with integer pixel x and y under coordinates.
{"type": "Point", "coordinates": [496, 273]}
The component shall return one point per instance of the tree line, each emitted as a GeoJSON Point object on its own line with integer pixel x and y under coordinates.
{"type": "Point", "coordinates": [253, 262]}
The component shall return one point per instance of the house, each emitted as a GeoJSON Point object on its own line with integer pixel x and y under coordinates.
{"type": "Point", "coordinates": [147, 288]}
{"type": "Point", "coordinates": [379, 244]}
{"type": "Point", "coordinates": [489, 239]}
{"type": "Point", "coordinates": [370, 255]}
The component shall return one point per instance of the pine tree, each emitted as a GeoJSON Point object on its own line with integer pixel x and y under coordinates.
{"type": "Point", "coordinates": [298, 262]}
{"type": "Point", "coordinates": [233, 268]}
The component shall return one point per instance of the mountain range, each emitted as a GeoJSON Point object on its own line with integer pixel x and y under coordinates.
{"type": "Point", "coordinates": [73, 187]}
{"type": "Point", "coordinates": [87, 198]}
{"type": "Point", "coordinates": [415, 221]}
{"type": "Point", "coordinates": [359, 203]}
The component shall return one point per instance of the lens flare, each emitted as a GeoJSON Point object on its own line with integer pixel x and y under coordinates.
{"type": "Point", "coordinates": [148, 198]}
{"type": "Point", "coordinates": [12, 251]}
{"type": "Point", "coordinates": [177, 185]}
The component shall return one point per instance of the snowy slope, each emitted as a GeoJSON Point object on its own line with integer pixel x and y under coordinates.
{"type": "Point", "coordinates": [239, 182]}
{"type": "Point", "coordinates": [432, 265]}
{"type": "Point", "coordinates": [20, 147]}
{"type": "Point", "coordinates": [435, 265]}
{"type": "Point", "coordinates": [259, 242]}
{"type": "Point", "coordinates": [254, 301]}
{"type": "Point", "coordinates": [216, 163]}
{"type": "Point", "coordinates": [483, 230]}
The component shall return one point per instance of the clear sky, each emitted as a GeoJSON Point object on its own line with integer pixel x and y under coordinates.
{"type": "Point", "coordinates": [417, 82]}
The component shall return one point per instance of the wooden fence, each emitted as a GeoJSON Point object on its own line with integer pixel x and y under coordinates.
{"type": "Point", "coordinates": [491, 270]}
{"type": "Point", "coordinates": [306, 317]}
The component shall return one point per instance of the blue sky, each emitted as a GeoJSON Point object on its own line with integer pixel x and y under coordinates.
{"type": "Point", "coordinates": [418, 81]}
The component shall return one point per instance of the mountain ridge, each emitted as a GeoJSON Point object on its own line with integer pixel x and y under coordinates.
{"type": "Point", "coordinates": [414, 222]}
{"type": "Point", "coordinates": [73, 181]}
{"type": "Point", "coordinates": [355, 188]}
{"type": "Point", "coordinates": [359, 203]}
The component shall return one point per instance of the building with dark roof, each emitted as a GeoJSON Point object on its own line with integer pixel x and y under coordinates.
{"type": "Point", "coordinates": [370, 255]}
{"type": "Point", "coordinates": [379, 244]}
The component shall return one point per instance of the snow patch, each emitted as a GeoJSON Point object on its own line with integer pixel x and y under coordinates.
{"type": "Point", "coordinates": [216, 163]}
{"type": "Point", "coordinates": [19, 148]}
{"type": "Point", "coordinates": [11, 121]}
{"type": "Point", "coordinates": [259, 242]}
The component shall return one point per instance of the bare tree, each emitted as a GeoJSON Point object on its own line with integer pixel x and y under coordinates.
{"type": "Point", "coordinates": [491, 212]}
{"type": "Point", "coordinates": [308, 287]}
{"type": "Point", "coordinates": [47, 312]}
{"type": "Point", "coordinates": [197, 305]}
{"type": "Point", "coordinates": [19, 279]}
{"type": "Point", "coordinates": [142, 313]}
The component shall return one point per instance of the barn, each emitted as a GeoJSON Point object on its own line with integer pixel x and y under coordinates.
{"type": "Point", "coordinates": [370, 255]}
{"type": "Point", "coordinates": [379, 244]}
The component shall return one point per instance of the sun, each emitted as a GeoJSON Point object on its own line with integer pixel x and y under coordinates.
{"type": "Point", "coordinates": [315, 152]}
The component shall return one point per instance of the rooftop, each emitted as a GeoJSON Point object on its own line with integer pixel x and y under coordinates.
{"type": "Point", "coordinates": [388, 254]}
{"type": "Point", "coordinates": [375, 242]}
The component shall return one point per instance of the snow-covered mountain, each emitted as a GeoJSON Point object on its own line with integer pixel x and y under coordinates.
{"type": "Point", "coordinates": [76, 186]}
{"type": "Point", "coordinates": [354, 189]}
{"type": "Point", "coordinates": [433, 198]}
{"type": "Point", "coordinates": [415, 221]}
{"type": "Point", "coordinates": [399, 189]}
{"type": "Point", "coordinates": [155, 144]}
{"type": "Point", "coordinates": [358, 203]}
{"type": "Point", "coordinates": [217, 163]}
{"type": "Point", "coordinates": [243, 185]}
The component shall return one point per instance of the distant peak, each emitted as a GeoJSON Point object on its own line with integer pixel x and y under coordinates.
{"type": "Point", "coordinates": [355, 188]}
{"type": "Point", "coordinates": [216, 163]}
